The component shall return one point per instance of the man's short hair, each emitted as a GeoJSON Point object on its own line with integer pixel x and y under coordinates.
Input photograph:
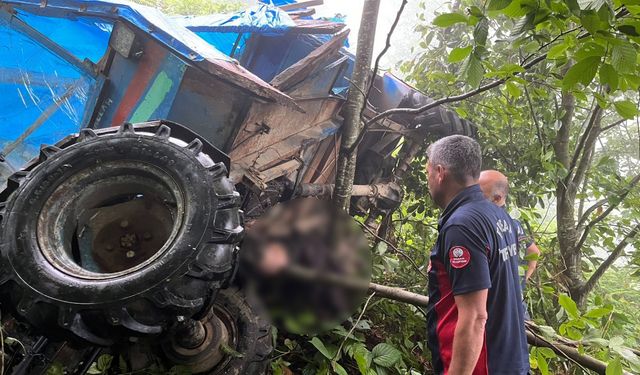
{"type": "Point", "coordinates": [459, 154]}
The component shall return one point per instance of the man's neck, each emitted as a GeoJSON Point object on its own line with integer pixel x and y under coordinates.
{"type": "Point", "coordinates": [453, 192]}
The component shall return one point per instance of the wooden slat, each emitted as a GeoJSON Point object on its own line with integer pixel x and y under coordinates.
{"type": "Point", "coordinates": [301, 4]}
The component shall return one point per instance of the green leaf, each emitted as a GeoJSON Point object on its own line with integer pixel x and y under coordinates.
{"type": "Point", "coordinates": [623, 57]}
{"type": "Point", "coordinates": [591, 4]}
{"type": "Point", "coordinates": [481, 32]}
{"type": "Point", "coordinates": [626, 108]}
{"type": "Point", "coordinates": [104, 362]}
{"type": "Point", "coordinates": [589, 50]}
{"type": "Point", "coordinates": [385, 355]}
{"type": "Point", "coordinates": [614, 367]}
{"type": "Point", "coordinates": [498, 4]}
{"type": "Point", "coordinates": [569, 306]}
{"type": "Point", "coordinates": [57, 369]}
{"type": "Point", "coordinates": [557, 51]}
{"type": "Point", "coordinates": [597, 313]}
{"type": "Point", "coordinates": [543, 366]}
{"type": "Point", "coordinates": [514, 10]}
{"type": "Point", "coordinates": [582, 72]}
{"type": "Point", "coordinates": [532, 256]}
{"type": "Point", "coordinates": [609, 76]}
{"type": "Point", "coordinates": [459, 54]}
{"type": "Point", "coordinates": [473, 71]}
{"type": "Point", "coordinates": [448, 19]}
{"type": "Point", "coordinates": [513, 89]}
{"type": "Point", "coordinates": [338, 368]}
{"type": "Point", "coordinates": [592, 22]}
{"type": "Point", "coordinates": [322, 348]}
{"type": "Point", "coordinates": [363, 358]}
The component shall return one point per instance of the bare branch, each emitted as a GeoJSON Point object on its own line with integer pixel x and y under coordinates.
{"type": "Point", "coordinates": [387, 45]}
{"type": "Point", "coordinates": [613, 125]}
{"type": "Point", "coordinates": [450, 99]}
{"type": "Point", "coordinates": [583, 154]}
{"type": "Point", "coordinates": [589, 210]}
{"type": "Point", "coordinates": [398, 251]}
{"type": "Point", "coordinates": [590, 284]}
{"type": "Point", "coordinates": [534, 118]}
{"type": "Point", "coordinates": [608, 211]}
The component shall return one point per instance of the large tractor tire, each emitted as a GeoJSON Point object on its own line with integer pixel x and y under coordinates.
{"type": "Point", "coordinates": [117, 233]}
{"type": "Point", "coordinates": [237, 338]}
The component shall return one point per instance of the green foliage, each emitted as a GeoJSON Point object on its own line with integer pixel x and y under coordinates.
{"type": "Point", "coordinates": [587, 51]}
{"type": "Point", "coordinates": [194, 7]}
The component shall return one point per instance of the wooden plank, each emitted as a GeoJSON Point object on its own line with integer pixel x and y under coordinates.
{"type": "Point", "coordinates": [279, 170]}
{"type": "Point", "coordinates": [302, 13]}
{"type": "Point", "coordinates": [300, 70]}
{"type": "Point", "coordinates": [301, 4]}
{"type": "Point", "coordinates": [316, 27]}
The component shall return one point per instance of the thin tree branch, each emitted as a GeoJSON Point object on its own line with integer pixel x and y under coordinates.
{"type": "Point", "coordinates": [534, 118]}
{"type": "Point", "coordinates": [608, 211]}
{"type": "Point", "coordinates": [398, 251]}
{"type": "Point", "coordinates": [583, 153]}
{"type": "Point", "coordinates": [589, 210]}
{"type": "Point", "coordinates": [590, 284]}
{"type": "Point", "coordinates": [364, 308]}
{"type": "Point", "coordinates": [450, 99]}
{"type": "Point", "coordinates": [613, 125]}
{"type": "Point", "coordinates": [387, 45]}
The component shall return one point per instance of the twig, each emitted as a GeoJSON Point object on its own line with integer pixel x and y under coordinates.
{"type": "Point", "coordinates": [557, 349]}
{"type": "Point", "coordinates": [387, 45]}
{"type": "Point", "coordinates": [398, 251]}
{"type": "Point", "coordinates": [364, 308]}
{"type": "Point", "coordinates": [448, 99]}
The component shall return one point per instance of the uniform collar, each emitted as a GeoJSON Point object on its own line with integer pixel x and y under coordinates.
{"type": "Point", "coordinates": [470, 193]}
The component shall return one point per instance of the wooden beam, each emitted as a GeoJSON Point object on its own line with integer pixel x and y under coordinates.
{"type": "Point", "coordinates": [301, 4]}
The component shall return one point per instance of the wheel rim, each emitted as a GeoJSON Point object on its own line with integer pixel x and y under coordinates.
{"type": "Point", "coordinates": [110, 220]}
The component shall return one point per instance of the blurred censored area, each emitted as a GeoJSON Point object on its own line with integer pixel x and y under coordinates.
{"type": "Point", "coordinates": [309, 263]}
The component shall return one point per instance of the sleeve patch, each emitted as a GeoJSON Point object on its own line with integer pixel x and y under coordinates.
{"type": "Point", "coordinates": [459, 257]}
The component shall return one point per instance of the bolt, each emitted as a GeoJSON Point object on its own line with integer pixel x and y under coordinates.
{"type": "Point", "coordinates": [146, 235]}
{"type": "Point", "coordinates": [124, 224]}
{"type": "Point", "coordinates": [180, 318]}
{"type": "Point", "coordinates": [131, 254]}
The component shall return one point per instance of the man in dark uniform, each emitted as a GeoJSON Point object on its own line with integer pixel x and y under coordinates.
{"type": "Point", "coordinates": [475, 319]}
{"type": "Point", "coordinates": [495, 187]}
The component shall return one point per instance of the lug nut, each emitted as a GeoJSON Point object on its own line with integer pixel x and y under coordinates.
{"type": "Point", "coordinates": [109, 247]}
{"type": "Point", "coordinates": [146, 235]}
{"type": "Point", "coordinates": [124, 224]}
{"type": "Point", "coordinates": [131, 254]}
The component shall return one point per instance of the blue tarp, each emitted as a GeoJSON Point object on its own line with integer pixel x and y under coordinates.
{"type": "Point", "coordinates": [146, 18]}
{"type": "Point", "coordinates": [226, 31]}
{"type": "Point", "coordinates": [41, 93]}
{"type": "Point", "coordinates": [262, 19]}
{"type": "Point", "coordinates": [278, 2]}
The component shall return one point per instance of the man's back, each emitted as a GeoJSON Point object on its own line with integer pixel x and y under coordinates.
{"type": "Point", "coordinates": [477, 249]}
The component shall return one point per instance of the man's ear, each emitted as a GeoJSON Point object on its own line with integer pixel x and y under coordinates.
{"type": "Point", "coordinates": [497, 198]}
{"type": "Point", "coordinates": [440, 172]}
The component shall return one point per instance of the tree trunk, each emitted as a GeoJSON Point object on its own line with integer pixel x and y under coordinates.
{"type": "Point", "coordinates": [355, 102]}
{"type": "Point", "coordinates": [566, 193]}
